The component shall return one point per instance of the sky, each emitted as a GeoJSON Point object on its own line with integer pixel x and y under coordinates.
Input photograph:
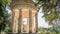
{"type": "Point", "coordinates": [41, 21]}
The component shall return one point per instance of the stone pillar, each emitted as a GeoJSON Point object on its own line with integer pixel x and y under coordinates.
{"type": "Point", "coordinates": [20, 21]}
{"type": "Point", "coordinates": [36, 19]}
{"type": "Point", "coordinates": [14, 23]}
{"type": "Point", "coordinates": [30, 21]}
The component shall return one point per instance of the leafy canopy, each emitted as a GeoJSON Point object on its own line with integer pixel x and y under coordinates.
{"type": "Point", "coordinates": [50, 11]}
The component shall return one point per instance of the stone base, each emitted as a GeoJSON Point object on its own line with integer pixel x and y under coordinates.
{"type": "Point", "coordinates": [22, 33]}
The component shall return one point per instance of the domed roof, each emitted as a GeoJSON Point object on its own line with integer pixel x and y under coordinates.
{"type": "Point", "coordinates": [22, 2]}
{"type": "Point", "coordinates": [31, 1]}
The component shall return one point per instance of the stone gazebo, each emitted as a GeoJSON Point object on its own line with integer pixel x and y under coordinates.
{"type": "Point", "coordinates": [24, 16]}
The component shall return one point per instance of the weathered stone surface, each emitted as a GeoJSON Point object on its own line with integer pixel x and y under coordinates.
{"type": "Point", "coordinates": [24, 9]}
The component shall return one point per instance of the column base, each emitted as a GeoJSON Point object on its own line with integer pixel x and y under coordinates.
{"type": "Point", "coordinates": [36, 31]}
{"type": "Point", "coordinates": [30, 32]}
{"type": "Point", "coordinates": [12, 33]}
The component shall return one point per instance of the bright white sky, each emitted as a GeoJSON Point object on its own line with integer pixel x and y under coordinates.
{"type": "Point", "coordinates": [41, 21]}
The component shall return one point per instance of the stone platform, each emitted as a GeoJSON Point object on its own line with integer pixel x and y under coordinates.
{"type": "Point", "coordinates": [22, 33]}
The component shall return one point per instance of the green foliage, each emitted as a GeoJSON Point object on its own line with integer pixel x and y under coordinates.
{"type": "Point", "coordinates": [5, 1]}
{"type": "Point", "coordinates": [3, 14]}
{"type": "Point", "coordinates": [7, 29]}
{"type": "Point", "coordinates": [49, 30]}
{"type": "Point", "coordinates": [49, 6]}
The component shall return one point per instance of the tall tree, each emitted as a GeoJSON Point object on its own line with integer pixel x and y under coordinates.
{"type": "Point", "coordinates": [3, 13]}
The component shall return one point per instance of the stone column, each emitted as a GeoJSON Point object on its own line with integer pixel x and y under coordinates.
{"type": "Point", "coordinates": [14, 23]}
{"type": "Point", "coordinates": [30, 21]}
{"type": "Point", "coordinates": [20, 21]}
{"type": "Point", "coordinates": [36, 19]}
